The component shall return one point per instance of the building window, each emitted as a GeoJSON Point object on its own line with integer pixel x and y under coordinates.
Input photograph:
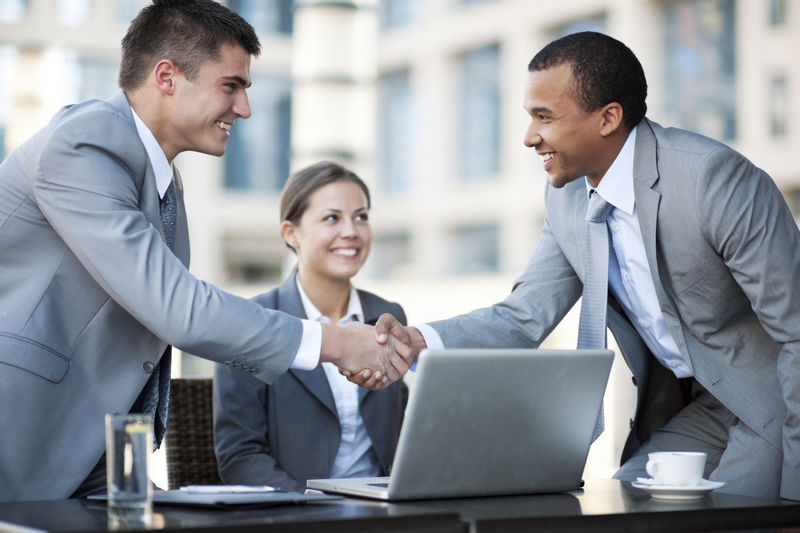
{"type": "Point", "coordinates": [396, 13]}
{"type": "Point", "coordinates": [777, 12]}
{"type": "Point", "coordinates": [701, 66]}
{"type": "Point", "coordinates": [73, 13]}
{"type": "Point", "coordinates": [12, 11]}
{"type": "Point", "coordinates": [258, 152]}
{"type": "Point", "coordinates": [480, 128]}
{"type": "Point", "coordinates": [98, 78]}
{"type": "Point", "coordinates": [128, 9]}
{"type": "Point", "coordinates": [474, 249]}
{"type": "Point", "coordinates": [8, 66]}
{"type": "Point", "coordinates": [470, 2]}
{"type": "Point", "coordinates": [396, 130]}
{"type": "Point", "coordinates": [779, 106]}
{"type": "Point", "coordinates": [596, 24]}
{"type": "Point", "coordinates": [266, 16]}
{"type": "Point", "coordinates": [390, 255]}
{"type": "Point", "coordinates": [253, 258]}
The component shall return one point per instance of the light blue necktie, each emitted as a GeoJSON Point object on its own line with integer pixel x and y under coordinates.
{"type": "Point", "coordinates": [156, 396]}
{"type": "Point", "coordinates": [592, 329]}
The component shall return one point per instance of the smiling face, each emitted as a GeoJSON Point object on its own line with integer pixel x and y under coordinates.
{"type": "Point", "coordinates": [568, 139]}
{"type": "Point", "coordinates": [333, 236]}
{"type": "Point", "coordinates": [205, 110]}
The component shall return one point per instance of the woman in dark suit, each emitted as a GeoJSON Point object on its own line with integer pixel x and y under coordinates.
{"type": "Point", "coordinates": [312, 423]}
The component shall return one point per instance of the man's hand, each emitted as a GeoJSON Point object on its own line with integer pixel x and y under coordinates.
{"type": "Point", "coordinates": [388, 329]}
{"type": "Point", "coordinates": [353, 348]}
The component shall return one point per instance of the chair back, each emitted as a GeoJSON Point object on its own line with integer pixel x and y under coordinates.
{"type": "Point", "coordinates": [189, 439]}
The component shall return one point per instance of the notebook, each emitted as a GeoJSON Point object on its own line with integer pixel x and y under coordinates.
{"type": "Point", "coordinates": [493, 422]}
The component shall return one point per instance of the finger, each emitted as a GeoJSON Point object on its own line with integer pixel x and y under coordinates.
{"type": "Point", "coordinates": [385, 323]}
{"type": "Point", "coordinates": [361, 377]}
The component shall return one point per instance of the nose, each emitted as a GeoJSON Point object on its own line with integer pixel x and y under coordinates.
{"type": "Point", "coordinates": [347, 229]}
{"type": "Point", "coordinates": [532, 136]}
{"type": "Point", "coordinates": [241, 105]}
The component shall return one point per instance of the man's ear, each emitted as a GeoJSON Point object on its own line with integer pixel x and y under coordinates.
{"type": "Point", "coordinates": [165, 73]}
{"type": "Point", "coordinates": [611, 117]}
{"type": "Point", "coordinates": [287, 230]}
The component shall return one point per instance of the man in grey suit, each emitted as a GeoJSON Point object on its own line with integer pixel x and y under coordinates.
{"type": "Point", "coordinates": [94, 283]}
{"type": "Point", "coordinates": [703, 271]}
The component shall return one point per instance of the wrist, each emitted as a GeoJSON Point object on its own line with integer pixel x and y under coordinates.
{"type": "Point", "coordinates": [417, 341]}
{"type": "Point", "coordinates": [332, 340]}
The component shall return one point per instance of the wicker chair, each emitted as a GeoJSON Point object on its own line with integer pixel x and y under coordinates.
{"type": "Point", "coordinates": [189, 440]}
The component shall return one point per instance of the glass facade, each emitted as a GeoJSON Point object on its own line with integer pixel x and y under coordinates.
{"type": "Point", "coordinates": [596, 24]}
{"type": "Point", "coordinates": [258, 152]}
{"type": "Point", "coordinates": [396, 13]}
{"type": "Point", "coordinates": [701, 66]}
{"type": "Point", "coordinates": [12, 11]}
{"type": "Point", "coordinates": [779, 106]}
{"type": "Point", "coordinates": [777, 12]}
{"type": "Point", "coordinates": [480, 128]}
{"type": "Point", "coordinates": [390, 253]}
{"type": "Point", "coordinates": [474, 249]}
{"type": "Point", "coordinates": [396, 127]}
{"type": "Point", "coordinates": [73, 13]}
{"type": "Point", "coordinates": [266, 16]}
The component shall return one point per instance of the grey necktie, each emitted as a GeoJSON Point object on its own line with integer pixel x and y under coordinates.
{"type": "Point", "coordinates": [156, 391]}
{"type": "Point", "coordinates": [592, 329]}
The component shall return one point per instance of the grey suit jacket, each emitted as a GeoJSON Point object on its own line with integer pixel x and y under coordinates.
{"type": "Point", "coordinates": [90, 296]}
{"type": "Point", "coordinates": [724, 254]}
{"type": "Point", "coordinates": [288, 432]}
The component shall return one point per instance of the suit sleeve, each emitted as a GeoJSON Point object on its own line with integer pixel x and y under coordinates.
{"type": "Point", "coordinates": [751, 227]}
{"type": "Point", "coordinates": [240, 433]}
{"type": "Point", "coordinates": [540, 298]}
{"type": "Point", "coordinates": [85, 187]}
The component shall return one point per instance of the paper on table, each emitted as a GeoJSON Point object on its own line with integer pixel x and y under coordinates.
{"type": "Point", "coordinates": [226, 489]}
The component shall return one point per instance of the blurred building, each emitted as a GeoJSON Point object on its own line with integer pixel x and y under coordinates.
{"type": "Point", "coordinates": [423, 98]}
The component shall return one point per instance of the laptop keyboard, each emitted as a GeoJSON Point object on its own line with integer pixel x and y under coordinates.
{"type": "Point", "coordinates": [378, 484]}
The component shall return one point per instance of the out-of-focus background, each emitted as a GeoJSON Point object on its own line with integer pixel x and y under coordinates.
{"type": "Point", "coordinates": [423, 99]}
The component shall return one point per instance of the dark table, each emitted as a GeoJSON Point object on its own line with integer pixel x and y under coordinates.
{"type": "Point", "coordinates": [602, 506]}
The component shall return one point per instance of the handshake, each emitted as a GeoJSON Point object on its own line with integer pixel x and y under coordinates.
{"type": "Point", "coordinates": [372, 357]}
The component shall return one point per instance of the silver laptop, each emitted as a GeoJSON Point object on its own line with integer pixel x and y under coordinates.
{"type": "Point", "coordinates": [492, 422]}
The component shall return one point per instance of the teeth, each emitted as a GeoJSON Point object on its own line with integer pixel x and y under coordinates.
{"type": "Point", "coordinates": [547, 157]}
{"type": "Point", "coordinates": [226, 127]}
{"type": "Point", "coordinates": [349, 252]}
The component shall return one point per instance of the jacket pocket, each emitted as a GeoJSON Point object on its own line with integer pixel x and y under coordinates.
{"type": "Point", "coordinates": [33, 357]}
{"type": "Point", "coordinates": [692, 278]}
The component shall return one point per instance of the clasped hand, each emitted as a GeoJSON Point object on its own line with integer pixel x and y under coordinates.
{"type": "Point", "coordinates": [388, 355]}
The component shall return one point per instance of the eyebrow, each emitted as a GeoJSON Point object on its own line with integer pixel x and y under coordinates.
{"type": "Point", "coordinates": [541, 110]}
{"type": "Point", "coordinates": [239, 80]}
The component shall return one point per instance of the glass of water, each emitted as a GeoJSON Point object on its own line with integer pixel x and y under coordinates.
{"type": "Point", "coordinates": [129, 444]}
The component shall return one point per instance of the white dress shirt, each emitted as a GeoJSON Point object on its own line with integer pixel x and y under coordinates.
{"type": "Point", "coordinates": [308, 353]}
{"type": "Point", "coordinates": [356, 456]}
{"type": "Point", "coordinates": [629, 276]}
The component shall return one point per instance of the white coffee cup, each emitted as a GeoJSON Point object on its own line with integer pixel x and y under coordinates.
{"type": "Point", "coordinates": [677, 469]}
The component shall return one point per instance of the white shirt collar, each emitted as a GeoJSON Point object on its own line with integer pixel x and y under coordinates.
{"type": "Point", "coordinates": [616, 187]}
{"type": "Point", "coordinates": [353, 307]}
{"type": "Point", "coordinates": [161, 167]}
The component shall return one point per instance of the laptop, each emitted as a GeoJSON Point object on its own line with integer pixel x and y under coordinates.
{"type": "Point", "coordinates": [491, 422]}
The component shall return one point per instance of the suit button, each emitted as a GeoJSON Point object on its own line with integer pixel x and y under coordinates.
{"type": "Point", "coordinates": [228, 363]}
{"type": "Point", "coordinates": [635, 384]}
{"type": "Point", "coordinates": [237, 366]}
{"type": "Point", "coordinates": [631, 423]}
{"type": "Point", "coordinates": [254, 371]}
{"type": "Point", "coordinates": [148, 367]}
{"type": "Point", "coordinates": [246, 368]}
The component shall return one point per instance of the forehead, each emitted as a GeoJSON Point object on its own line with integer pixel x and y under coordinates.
{"type": "Point", "coordinates": [233, 62]}
{"type": "Point", "coordinates": [335, 192]}
{"type": "Point", "coordinates": [550, 88]}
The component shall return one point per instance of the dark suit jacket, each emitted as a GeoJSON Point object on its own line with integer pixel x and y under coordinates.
{"type": "Point", "coordinates": [288, 432]}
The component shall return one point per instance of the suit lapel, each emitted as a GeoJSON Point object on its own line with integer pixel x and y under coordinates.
{"type": "Point", "coordinates": [181, 248]}
{"type": "Point", "coordinates": [648, 199]}
{"type": "Point", "coordinates": [315, 381]}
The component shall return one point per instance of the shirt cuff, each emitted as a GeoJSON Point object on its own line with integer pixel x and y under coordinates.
{"type": "Point", "coordinates": [432, 339]}
{"type": "Point", "coordinates": [308, 353]}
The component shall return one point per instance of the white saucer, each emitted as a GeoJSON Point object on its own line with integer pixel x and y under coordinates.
{"type": "Point", "coordinates": [670, 492]}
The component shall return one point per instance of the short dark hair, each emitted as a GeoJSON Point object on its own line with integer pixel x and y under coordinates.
{"type": "Point", "coordinates": [187, 32]}
{"type": "Point", "coordinates": [297, 192]}
{"type": "Point", "coordinates": [604, 71]}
